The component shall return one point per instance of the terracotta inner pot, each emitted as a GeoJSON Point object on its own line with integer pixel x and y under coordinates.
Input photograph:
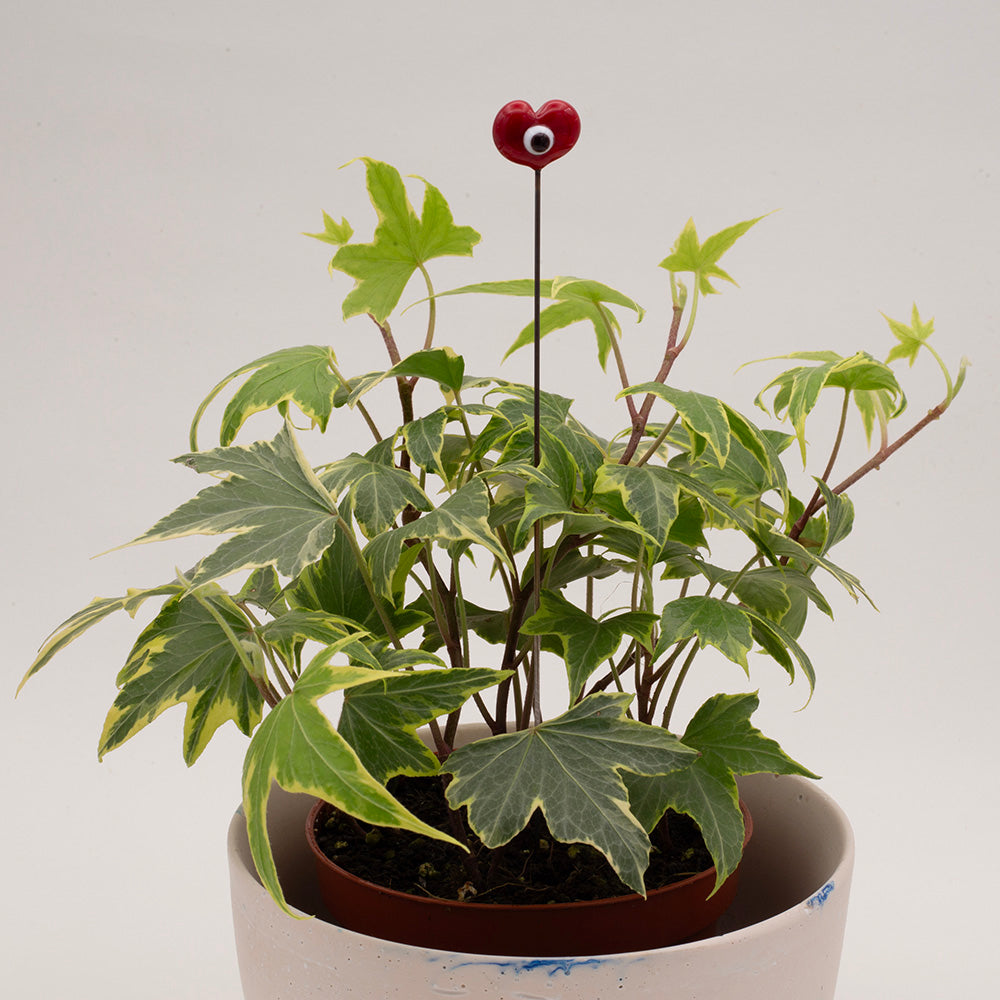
{"type": "Point", "coordinates": [683, 911]}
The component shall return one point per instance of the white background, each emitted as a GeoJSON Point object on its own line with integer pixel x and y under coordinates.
{"type": "Point", "coordinates": [159, 163]}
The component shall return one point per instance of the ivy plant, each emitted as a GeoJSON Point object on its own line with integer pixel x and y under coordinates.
{"type": "Point", "coordinates": [354, 576]}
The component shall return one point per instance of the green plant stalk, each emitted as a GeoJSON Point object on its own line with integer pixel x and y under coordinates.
{"type": "Point", "coordinates": [361, 408]}
{"type": "Point", "coordinates": [817, 496]}
{"type": "Point", "coordinates": [660, 676]}
{"type": "Point", "coordinates": [660, 438]}
{"type": "Point", "coordinates": [678, 683]}
{"type": "Point", "coordinates": [431, 309]}
{"type": "Point", "coordinates": [619, 360]}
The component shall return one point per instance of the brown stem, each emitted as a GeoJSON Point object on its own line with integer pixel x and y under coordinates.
{"type": "Point", "coordinates": [388, 339]}
{"type": "Point", "coordinates": [405, 387]}
{"type": "Point", "coordinates": [873, 463]}
{"type": "Point", "coordinates": [817, 498]}
{"type": "Point", "coordinates": [670, 354]}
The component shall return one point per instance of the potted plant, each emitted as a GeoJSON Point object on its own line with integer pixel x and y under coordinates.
{"type": "Point", "coordinates": [482, 541]}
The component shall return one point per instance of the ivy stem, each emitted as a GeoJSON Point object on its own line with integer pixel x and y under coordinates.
{"type": "Point", "coordinates": [660, 438]}
{"type": "Point", "coordinates": [670, 354]}
{"type": "Point", "coordinates": [815, 502]}
{"type": "Point", "coordinates": [360, 406]}
{"type": "Point", "coordinates": [672, 700]}
{"type": "Point", "coordinates": [431, 308]}
{"type": "Point", "coordinates": [619, 361]}
{"type": "Point", "coordinates": [875, 462]}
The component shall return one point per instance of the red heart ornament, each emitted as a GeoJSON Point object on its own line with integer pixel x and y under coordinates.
{"type": "Point", "coordinates": [536, 138]}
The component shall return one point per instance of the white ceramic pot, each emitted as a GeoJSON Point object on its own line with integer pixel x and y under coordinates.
{"type": "Point", "coordinates": [780, 940]}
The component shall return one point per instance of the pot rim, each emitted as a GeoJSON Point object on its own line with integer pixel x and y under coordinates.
{"type": "Point", "coordinates": [708, 875]}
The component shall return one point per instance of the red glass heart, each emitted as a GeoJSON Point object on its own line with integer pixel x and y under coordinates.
{"type": "Point", "coordinates": [536, 138]}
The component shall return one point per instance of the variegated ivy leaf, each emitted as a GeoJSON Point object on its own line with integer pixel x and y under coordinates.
{"type": "Point", "coordinates": [459, 522]}
{"type": "Point", "coordinates": [402, 242]}
{"type": "Point", "coordinates": [702, 259]}
{"type": "Point", "coordinates": [570, 768]}
{"type": "Point", "coordinates": [378, 491]}
{"type": "Point", "coordinates": [911, 338]}
{"type": "Point", "coordinates": [334, 585]}
{"type": "Point", "coordinates": [798, 390]}
{"type": "Point", "coordinates": [380, 719]}
{"type": "Point", "coordinates": [586, 451]}
{"type": "Point", "coordinates": [297, 747]}
{"type": "Point", "coordinates": [424, 439]}
{"type": "Point", "coordinates": [778, 643]}
{"type": "Point", "coordinates": [300, 375]}
{"type": "Point", "coordinates": [337, 233]}
{"type": "Point", "coordinates": [278, 511]}
{"type": "Point", "coordinates": [586, 642]}
{"type": "Point", "coordinates": [649, 495]}
{"type": "Point", "coordinates": [96, 611]}
{"type": "Point", "coordinates": [199, 650]}
{"type": "Point", "coordinates": [702, 415]}
{"type": "Point", "coordinates": [580, 300]}
{"type": "Point", "coordinates": [782, 545]}
{"type": "Point", "coordinates": [577, 300]}
{"type": "Point", "coordinates": [441, 365]}
{"type": "Point", "coordinates": [839, 516]}
{"type": "Point", "coordinates": [706, 791]}
{"type": "Point", "coordinates": [712, 621]}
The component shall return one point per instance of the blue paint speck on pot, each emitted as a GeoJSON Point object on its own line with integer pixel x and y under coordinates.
{"type": "Point", "coordinates": [821, 897]}
{"type": "Point", "coordinates": [551, 966]}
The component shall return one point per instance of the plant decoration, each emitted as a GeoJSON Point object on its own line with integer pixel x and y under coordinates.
{"type": "Point", "coordinates": [356, 576]}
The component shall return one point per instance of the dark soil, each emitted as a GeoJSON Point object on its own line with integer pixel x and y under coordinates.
{"type": "Point", "coordinates": [532, 868]}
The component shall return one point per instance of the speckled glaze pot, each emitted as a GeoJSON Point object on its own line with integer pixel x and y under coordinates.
{"type": "Point", "coordinates": [780, 940]}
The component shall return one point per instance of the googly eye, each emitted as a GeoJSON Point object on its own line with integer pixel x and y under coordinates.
{"type": "Point", "coordinates": [538, 140]}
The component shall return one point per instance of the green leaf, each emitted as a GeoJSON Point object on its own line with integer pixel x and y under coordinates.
{"type": "Point", "coordinates": [649, 494]}
{"type": "Point", "coordinates": [713, 621]}
{"type": "Point", "coordinates": [911, 338]}
{"type": "Point", "coordinates": [570, 768]}
{"type": "Point", "coordinates": [701, 259]}
{"type": "Point", "coordinates": [297, 747]}
{"type": "Point", "coordinates": [706, 791]}
{"type": "Point", "coordinates": [337, 233]}
{"type": "Point", "coordinates": [335, 586]}
{"type": "Point", "coordinates": [586, 452]}
{"type": "Point", "coordinates": [193, 652]}
{"type": "Point", "coordinates": [301, 624]}
{"type": "Point", "coordinates": [380, 719]}
{"type": "Point", "coordinates": [278, 510]}
{"type": "Point", "coordinates": [378, 491]}
{"type": "Point", "coordinates": [586, 642]}
{"type": "Point", "coordinates": [461, 520]}
{"type": "Point", "coordinates": [839, 514]}
{"type": "Point", "coordinates": [441, 364]}
{"type": "Point", "coordinates": [300, 375]}
{"type": "Point", "coordinates": [782, 545]}
{"type": "Point", "coordinates": [425, 440]}
{"type": "Point", "coordinates": [401, 243]}
{"type": "Point", "coordinates": [263, 588]}
{"type": "Point", "coordinates": [703, 415]}
{"type": "Point", "coordinates": [778, 643]}
{"type": "Point", "coordinates": [798, 389]}
{"type": "Point", "coordinates": [97, 610]}
{"type": "Point", "coordinates": [579, 300]}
